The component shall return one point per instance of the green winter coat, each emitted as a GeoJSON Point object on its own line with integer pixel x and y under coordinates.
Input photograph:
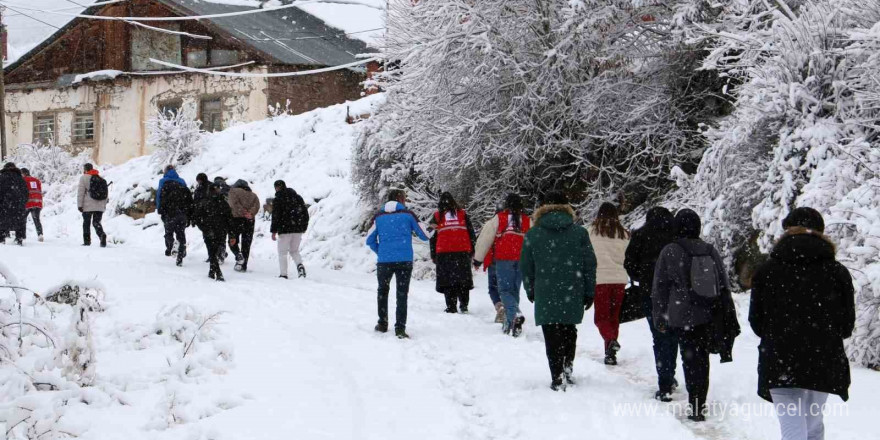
{"type": "Point", "coordinates": [558, 266]}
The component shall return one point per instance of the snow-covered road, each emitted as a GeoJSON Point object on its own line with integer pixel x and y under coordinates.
{"type": "Point", "coordinates": [308, 365]}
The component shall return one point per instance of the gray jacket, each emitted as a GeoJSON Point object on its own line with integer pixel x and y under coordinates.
{"type": "Point", "coordinates": [671, 297]}
{"type": "Point", "coordinates": [84, 201]}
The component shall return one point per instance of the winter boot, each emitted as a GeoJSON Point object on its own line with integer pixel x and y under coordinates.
{"type": "Point", "coordinates": [451, 303]}
{"type": "Point", "coordinates": [239, 266]}
{"type": "Point", "coordinates": [19, 241]}
{"type": "Point", "coordinates": [518, 326]}
{"type": "Point", "coordinates": [282, 276]}
{"type": "Point", "coordinates": [567, 374]}
{"type": "Point", "coordinates": [499, 313]}
{"type": "Point", "coordinates": [381, 328]}
{"type": "Point", "coordinates": [220, 276]}
{"type": "Point", "coordinates": [610, 357]}
{"type": "Point", "coordinates": [401, 333]}
{"type": "Point", "coordinates": [212, 275]}
{"type": "Point", "coordinates": [557, 385]}
{"type": "Point", "coordinates": [40, 238]}
{"type": "Point", "coordinates": [663, 397]}
{"type": "Point", "coordinates": [301, 270]}
{"type": "Point", "coordinates": [104, 241]}
{"type": "Point", "coordinates": [674, 384]}
{"type": "Point", "coordinates": [167, 252]}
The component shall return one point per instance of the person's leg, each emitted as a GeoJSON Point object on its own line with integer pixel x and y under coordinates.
{"type": "Point", "coordinates": [554, 348]}
{"type": "Point", "coordinates": [247, 238]}
{"type": "Point", "coordinates": [493, 285]}
{"type": "Point", "coordinates": [570, 349]}
{"type": "Point", "coordinates": [451, 297]}
{"type": "Point", "coordinates": [284, 241]}
{"type": "Point", "coordinates": [213, 254]}
{"type": "Point", "coordinates": [508, 289]}
{"type": "Point", "coordinates": [602, 312]}
{"type": "Point", "coordinates": [180, 232]}
{"type": "Point", "coordinates": [384, 272]}
{"type": "Point", "coordinates": [87, 228]}
{"type": "Point", "coordinates": [219, 244]}
{"type": "Point", "coordinates": [169, 223]}
{"type": "Point", "coordinates": [815, 414]}
{"type": "Point", "coordinates": [665, 352]}
{"type": "Point", "coordinates": [403, 273]}
{"type": "Point", "coordinates": [695, 359]}
{"type": "Point", "coordinates": [96, 222]}
{"type": "Point", "coordinates": [295, 242]}
{"type": "Point", "coordinates": [35, 214]}
{"type": "Point", "coordinates": [617, 292]}
{"type": "Point", "coordinates": [21, 228]}
{"type": "Point", "coordinates": [464, 299]}
{"type": "Point", "coordinates": [789, 406]}
{"type": "Point", "coordinates": [237, 228]}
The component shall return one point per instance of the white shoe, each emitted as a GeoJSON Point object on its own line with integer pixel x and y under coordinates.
{"type": "Point", "coordinates": [40, 239]}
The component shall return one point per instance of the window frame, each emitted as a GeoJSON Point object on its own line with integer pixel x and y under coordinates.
{"type": "Point", "coordinates": [36, 117]}
{"type": "Point", "coordinates": [219, 111]}
{"type": "Point", "coordinates": [73, 126]}
{"type": "Point", "coordinates": [176, 102]}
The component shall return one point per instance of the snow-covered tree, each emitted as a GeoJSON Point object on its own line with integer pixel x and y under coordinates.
{"type": "Point", "coordinates": [598, 98]}
{"type": "Point", "coordinates": [804, 133]}
{"type": "Point", "coordinates": [176, 135]}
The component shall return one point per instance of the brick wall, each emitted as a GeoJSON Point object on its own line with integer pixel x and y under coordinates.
{"type": "Point", "coordinates": [309, 92]}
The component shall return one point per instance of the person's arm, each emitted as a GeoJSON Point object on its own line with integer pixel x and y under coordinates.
{"type": "Point", "coordinates": [757, 303]}
{"type": "Point", "coordinates": [847, 320]}
{"type": "Point", "coordinates": [486, 239]}
{"type": "Point", "coordinates": [277, 205]}
{"type": "Point", "coordinates": [471, 234]}
{"type": "Point", "coordinates": [373, 239]}
{"type": "Point", "coordinates": [254, 209]}
{"type": "Point", "coordinates": [159, 195]}
{"type": "Point", "coordinates": [719, 263]}
{"type": "Point", "coordinates": [631, 258]}
{"type": "Point", "coordinates": [527, 267]}
{"type": "Point", "coordinates": [81, 193]}
{"type": "Point", "coordinates": [660, 290]}
{"type": "Point", "coordinates": [414, 224]}
{"type": "Point", "coordinates": [588, 269]}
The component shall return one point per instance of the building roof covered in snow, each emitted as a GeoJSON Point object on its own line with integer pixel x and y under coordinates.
{"type": "Point", "coordinates": [288, 36]}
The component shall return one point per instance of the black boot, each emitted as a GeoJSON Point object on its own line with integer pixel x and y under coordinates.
{"type": "Point", "coordinates": [518, 326]}
{"type": "Point", "coordinates": [400, 333]}
{"type": "Point", "coordinates": [301, 270]}
{"type": "Point", "coordinates": [451, 303]}
{"type": "Point", "coordinates": [382, 327]}
{"type": "Point", "coordinates": [104, 241]}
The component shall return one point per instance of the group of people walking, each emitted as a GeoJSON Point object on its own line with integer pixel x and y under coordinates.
{"type": "Point", "coordinates": [802, 299]}
{"type": "Point", "coordinates": [227, 214]}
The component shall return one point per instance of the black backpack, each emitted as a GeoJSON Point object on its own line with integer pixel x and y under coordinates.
{"type": "Point", "coordinates": [175, 198]}
{"type": "Point", "coordinates": [98, 188]}
{"type": "Point", "coordinates": [704, 276]}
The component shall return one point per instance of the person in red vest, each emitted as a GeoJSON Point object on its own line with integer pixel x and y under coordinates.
{"type": "Point", "coordinates": [452, 248]}
{"type": "Point", "coordinates": [35, 200]}
{"type": "Point", "coordinates": [503, 235]}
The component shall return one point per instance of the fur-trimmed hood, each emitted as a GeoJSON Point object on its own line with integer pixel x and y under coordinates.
{"type": "Point", "coordinates": [800, 245]}
{"type": "Point", "coordinates": [554, 216]}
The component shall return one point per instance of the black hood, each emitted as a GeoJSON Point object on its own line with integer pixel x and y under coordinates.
{"type": "Point", "coordinates": [659, 219]}
{"type": "Point", "coordinates": [803, 247]}
{"type": "Point", "coordinates": [687, 224]}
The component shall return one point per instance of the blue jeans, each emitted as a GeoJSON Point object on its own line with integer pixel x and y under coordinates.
{"type": "Point", "coordinates": [509, 282]}
{"type": "Point", "coordinates": [665, 351]}
{"type": "Point", "coordinates": [384, 273]}
{"type": "Point", "coordinates": [493, 285]}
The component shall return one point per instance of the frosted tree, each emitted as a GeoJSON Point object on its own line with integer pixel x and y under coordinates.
{"type": "Point", "coordinates": [176, 136]}
{"type": "Point", "coordinates": [488, 97]}
{"type": "Point", "coordinates": [804, 133]}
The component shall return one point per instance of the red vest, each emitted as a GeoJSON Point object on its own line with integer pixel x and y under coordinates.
{"type": "Point", "coordinates": [452, 233]}
{"type": "Point", "coordinates": [35, 192]}
{"type": "Point", "coordinates": [509, 240]}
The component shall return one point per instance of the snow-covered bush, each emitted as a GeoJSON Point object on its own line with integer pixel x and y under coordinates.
{"type": "Point", "coordinates": [484, 98]}
{"type": "Point", "coordinates": [804, 133]}
{"type": "Point", "coordinates": [49, 163]}
{"type": "Point", "coordinates": [176, 136]}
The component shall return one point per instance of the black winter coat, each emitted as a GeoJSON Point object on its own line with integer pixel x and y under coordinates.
{"type": "Point", "coordinates": [643, 252]}
{"type": "Point", "coordinates": [213, 216]}
{"type": "Point", "coordinates": [803, 307]}
{"type": "Point", "coordinates": [290, 215]}
{"type": "Point", "coordinates": [177, 200]}
{"type": "Point", "coordinates": [13, 198]}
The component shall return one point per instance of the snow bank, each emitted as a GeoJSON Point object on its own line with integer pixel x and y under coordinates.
{"type": "Point", "coordinates": [311, 152]}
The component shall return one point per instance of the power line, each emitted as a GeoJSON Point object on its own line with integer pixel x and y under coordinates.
{"type": "Point", "coordinates": [32, 17]}
{"type": "Point", "coordinates": [108, 2]}
{"type": "Point", "coordinates": [263, 75]}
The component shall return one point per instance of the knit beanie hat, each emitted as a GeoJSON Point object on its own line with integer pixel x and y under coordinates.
{"type": "Point", "coordinates": [805, 217]}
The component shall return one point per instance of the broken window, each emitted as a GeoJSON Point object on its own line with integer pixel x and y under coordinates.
{"type": "Point", "coordinates": [44, 129]}
{"type": "Point", "coordinates": [146, 44]}
{"type": "Point", "coordinates": [84, 127]}
{"type": "Point", "coordinates": [212, 114]}
{"type": "Point", "coordinates": [221, 57]}
{"type": "Point", "coordinates": [171, 107]}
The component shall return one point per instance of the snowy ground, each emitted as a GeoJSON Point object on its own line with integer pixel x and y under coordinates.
{"type": "Point", "coordinates": [306, 362]}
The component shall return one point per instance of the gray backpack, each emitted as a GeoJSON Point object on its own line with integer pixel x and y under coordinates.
{"type": "Point", "coordinates": [703, 278]}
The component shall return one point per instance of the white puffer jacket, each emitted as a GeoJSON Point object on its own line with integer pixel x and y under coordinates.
{"type": "Point", "coordinates": [610, 253]}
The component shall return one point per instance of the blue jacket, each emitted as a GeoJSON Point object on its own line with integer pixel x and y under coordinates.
{"type": "Point", "coordinates": [170, 175]}
{"type": "Point", "coordinates": [391, 237]}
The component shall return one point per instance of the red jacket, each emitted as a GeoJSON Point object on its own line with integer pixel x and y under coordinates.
{"type": "Point", "coordinates": [35, 193]}
{"type": "Point", "coordinates": [452, 233]}
{"type": "Point", "coordinates": [509, 239]}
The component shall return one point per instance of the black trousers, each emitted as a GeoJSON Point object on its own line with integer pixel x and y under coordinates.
{"type": "Point", "coordinates": [90, 219]}
{"type": "Point", "coordinates": [560, 341]}
{"type": "Point", "coordinates": [175, 226]}
{"type": "Point", "coordinates": [402, 272]}
{"type": "Point", "coordinates": [694, 345]}
{"type": "Point", "coordinates": [15, 223]}
{"type": "Point", "coordinates": [35, 214]}
{"type": "Point", "coordinates": [214, 243]}
{"type": "Point", "coordinates": [665, 352]}
{"type": "Point", "coordinates": [456, 297]}
{"type": "Point", "coordinates": [243, 233]}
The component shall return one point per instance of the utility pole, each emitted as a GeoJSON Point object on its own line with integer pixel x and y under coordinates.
{"type": "Point", "coordinates": [4, 37]}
